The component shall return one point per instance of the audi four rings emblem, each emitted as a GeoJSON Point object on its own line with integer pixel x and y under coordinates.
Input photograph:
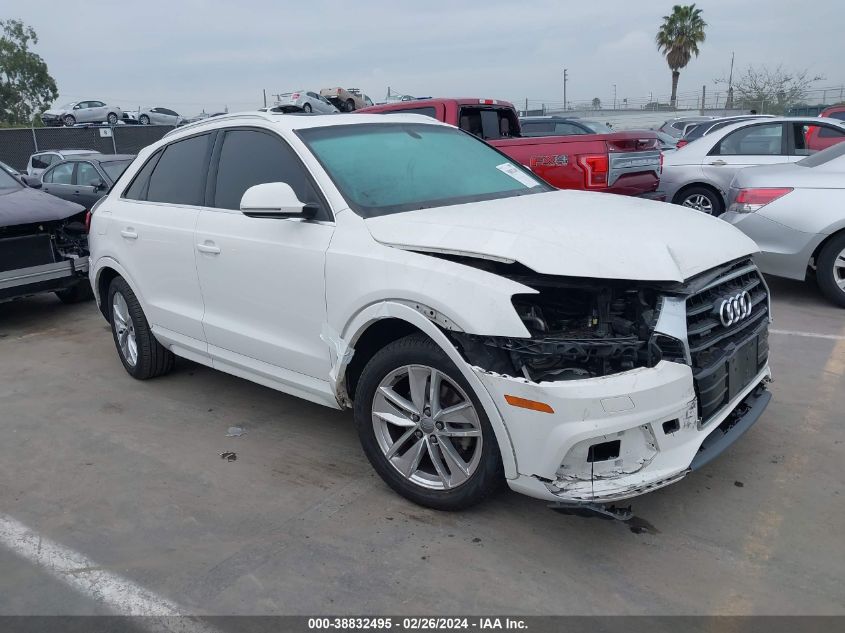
{"type": "Point", "coordinates": [735, 309]}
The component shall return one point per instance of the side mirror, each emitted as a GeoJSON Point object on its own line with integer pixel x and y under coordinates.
{"type": "Point", "coordinates": [98, 185]}
{"type": "Point", "coordinates": [274, 200]}
{"type": "Point", "coordinates": [31, 181]}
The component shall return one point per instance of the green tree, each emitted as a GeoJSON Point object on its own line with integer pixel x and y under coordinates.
{"type": "Point", "coordinates": [26, 88]}
{"type": "Point", "coordinates": [678, 39]}
{"type": "Point", "coordinates": [771, 90]}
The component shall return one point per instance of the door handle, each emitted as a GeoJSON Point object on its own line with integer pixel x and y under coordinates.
{"type": "Point", "coordinates": [129, 234]}
{"type": "Point", "coordinates": [718, 163]}
{"type": "Point", "coordinates": [208, 247]}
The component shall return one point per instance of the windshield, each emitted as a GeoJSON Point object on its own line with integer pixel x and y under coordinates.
{"type": "Point", "coordinates": [7, 181]}
{"type": "Point", "coordinates": [115, 168]}
{"type": "Point", "coordinates": [824, 156]}
{"type": "Point", "coordinates": [384, 168]}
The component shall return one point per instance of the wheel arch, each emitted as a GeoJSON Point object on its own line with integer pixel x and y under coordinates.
{"type": "Point", "coordinates": [704, 185]}
{"type": "Point", "coordinates": [377, 325]}
{"type": "Point", "coordinates": [817, 251]}
{"type": "Point", "coordinates": [105, 271]}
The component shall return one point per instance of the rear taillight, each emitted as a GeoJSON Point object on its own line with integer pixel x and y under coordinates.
{"type": "Point", "coordinates": [750, 200]}
{"type": "Point", "coordinates": [87, 221]}
{"type": "Point", "coordinates": [681, 143]}
{"type": "Point", "coordinates": [595, 168]}
{"type": "Point", "coordinates": [294, 96]}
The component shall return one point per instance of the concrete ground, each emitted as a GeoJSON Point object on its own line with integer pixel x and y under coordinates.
{"type": "Point", "coordinates": [128, 475]}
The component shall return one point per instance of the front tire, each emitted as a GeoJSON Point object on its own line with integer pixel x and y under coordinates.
{"type": "Point", "coordinates": [349, 106]}
{"type": "Point", "coordinates": [423, 428]}
{"type": "Point", "coordinates": [142, 355]}
{"type": "Point", "coordinates": [69, 120]}
{"type": "Point", "coordinates": [701, 199]}
{"type": "Point", "coordinates": [830, 270]}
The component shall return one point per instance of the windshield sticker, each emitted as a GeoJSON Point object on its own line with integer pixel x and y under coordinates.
{"type": "Point", "coordinates": [518, 175]}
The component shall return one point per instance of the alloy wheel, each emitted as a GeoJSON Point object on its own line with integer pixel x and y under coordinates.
{"type": "Point", "coordinates": [839, 270]}
{"type": "Point", "coordinates": [699, 202]}
{"type": "Point", "coordinates": [124, 329]}
{"type": "Point", "coordinates": [427, 427]}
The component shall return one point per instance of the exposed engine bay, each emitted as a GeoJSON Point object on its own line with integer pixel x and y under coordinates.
{"type": "Point", "coordinates": [25, 245]}
{"type": "Point", "coordinates": [580, 328]}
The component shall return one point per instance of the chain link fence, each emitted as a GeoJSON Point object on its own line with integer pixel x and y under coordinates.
{"type": "Point", "coordinates": [18, 144]}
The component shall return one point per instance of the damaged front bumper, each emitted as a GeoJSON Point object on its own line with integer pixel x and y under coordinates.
{"type": "Point", "coordinates": [616, 437]}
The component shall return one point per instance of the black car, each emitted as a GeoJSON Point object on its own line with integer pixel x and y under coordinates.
{"type": "Point", "coordinates": [83, 180]}
{"type": "Point", "coordinates": [43, 244]}
{"type": "Point", "coordinates": [560, 126]}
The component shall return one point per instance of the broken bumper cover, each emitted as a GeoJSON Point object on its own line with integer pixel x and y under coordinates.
{"type": "Point", "coordinates": [616, 437]}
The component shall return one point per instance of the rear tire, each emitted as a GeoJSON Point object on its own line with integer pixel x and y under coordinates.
{"type": "Point", "coordinates": [142, 355]}
{"type": "Point", "coordinates": [701, 199]}
{"type": "Point", "coordinates": [349, 106]}
{"type": "Point", "coordinates": [307, 108]}
{"type": "Point", "coordinates": [144, 119]}
{"type": "Point", "coordinates": [76, 294]}
{"type": "Point", "coordinates": [112, 118]}
{"type": "Point", "coordinates": [830, 270]}
{"type": "Point", "coordinates": [438, 435]}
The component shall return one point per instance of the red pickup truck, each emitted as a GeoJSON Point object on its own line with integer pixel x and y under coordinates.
{"type": "Point", "coordinates": [627, 163]}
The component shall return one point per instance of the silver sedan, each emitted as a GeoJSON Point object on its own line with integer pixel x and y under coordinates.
{"type": "Point", "coordinates": [159, 116]}
{"type": "Point", "coordinates": [796, 214]}
{"type": "Point", "coordinates": [699, 174]}
{"type": "Point", "coordinates": [308, 100]}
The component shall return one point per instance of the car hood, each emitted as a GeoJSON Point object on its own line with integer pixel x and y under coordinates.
{"type": "Point", "coordinates": [27, 206]}
{"type": "Point", "coordinates": [573, 233]}
{"type": "Point", "coordinates": [56, 111]}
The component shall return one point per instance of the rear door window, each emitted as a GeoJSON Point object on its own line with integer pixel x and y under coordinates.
{"type": "Point", "coordinates": [754, 140]}
{"type": "Point", "coordinates": [42, 161]}
{"type": "Point", "coordinates": [179, 175]}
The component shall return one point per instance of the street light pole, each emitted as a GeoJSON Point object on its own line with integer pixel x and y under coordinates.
{"type": "Point", "coordinates": [565, 79]}
{"type": "Point", "coordinates": [614, 96]}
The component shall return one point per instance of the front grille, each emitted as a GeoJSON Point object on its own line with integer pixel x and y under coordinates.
{"type": "Point", "coordinates": [724, 359]}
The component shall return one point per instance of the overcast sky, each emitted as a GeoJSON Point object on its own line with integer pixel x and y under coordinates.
{"type": "Point", "coordinates": [194, 54]}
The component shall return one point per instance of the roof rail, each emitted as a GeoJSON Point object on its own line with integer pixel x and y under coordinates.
{"type": "Point", "coordinates": [220, 117]}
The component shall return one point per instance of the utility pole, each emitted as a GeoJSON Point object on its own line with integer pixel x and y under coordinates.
{"type": "Point", "coordinates": [565, 79]}
{"type": "Point", "coordinates": [729, 103]}
{"type": "Point", "coordinates": [703, 97]}
{"type": "Point", "coordinates": [264, 90]}
{"type": "Point", "coordinates": [614, 96]}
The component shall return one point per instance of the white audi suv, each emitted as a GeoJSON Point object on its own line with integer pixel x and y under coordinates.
{"type": "Point", "coordinates": [484, 327]}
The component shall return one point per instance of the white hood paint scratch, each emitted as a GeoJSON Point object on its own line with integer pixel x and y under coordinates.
{"type": "Point", "coordinates": [573, 233]}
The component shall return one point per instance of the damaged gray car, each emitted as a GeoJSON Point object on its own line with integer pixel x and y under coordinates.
{"type": "Point", "coordinates": [43, 244]}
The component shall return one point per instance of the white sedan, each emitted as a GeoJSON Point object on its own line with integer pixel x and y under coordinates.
{"type": "Point", "coordinates": [308, 100]}
{"type": "Point", "coordinates": [584, 347]}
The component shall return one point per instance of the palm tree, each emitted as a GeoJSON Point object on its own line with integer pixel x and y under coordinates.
{"type": "Point", "coordinates": [678, 39]}
{"type": "Point", "coordinates": [596, 103]}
